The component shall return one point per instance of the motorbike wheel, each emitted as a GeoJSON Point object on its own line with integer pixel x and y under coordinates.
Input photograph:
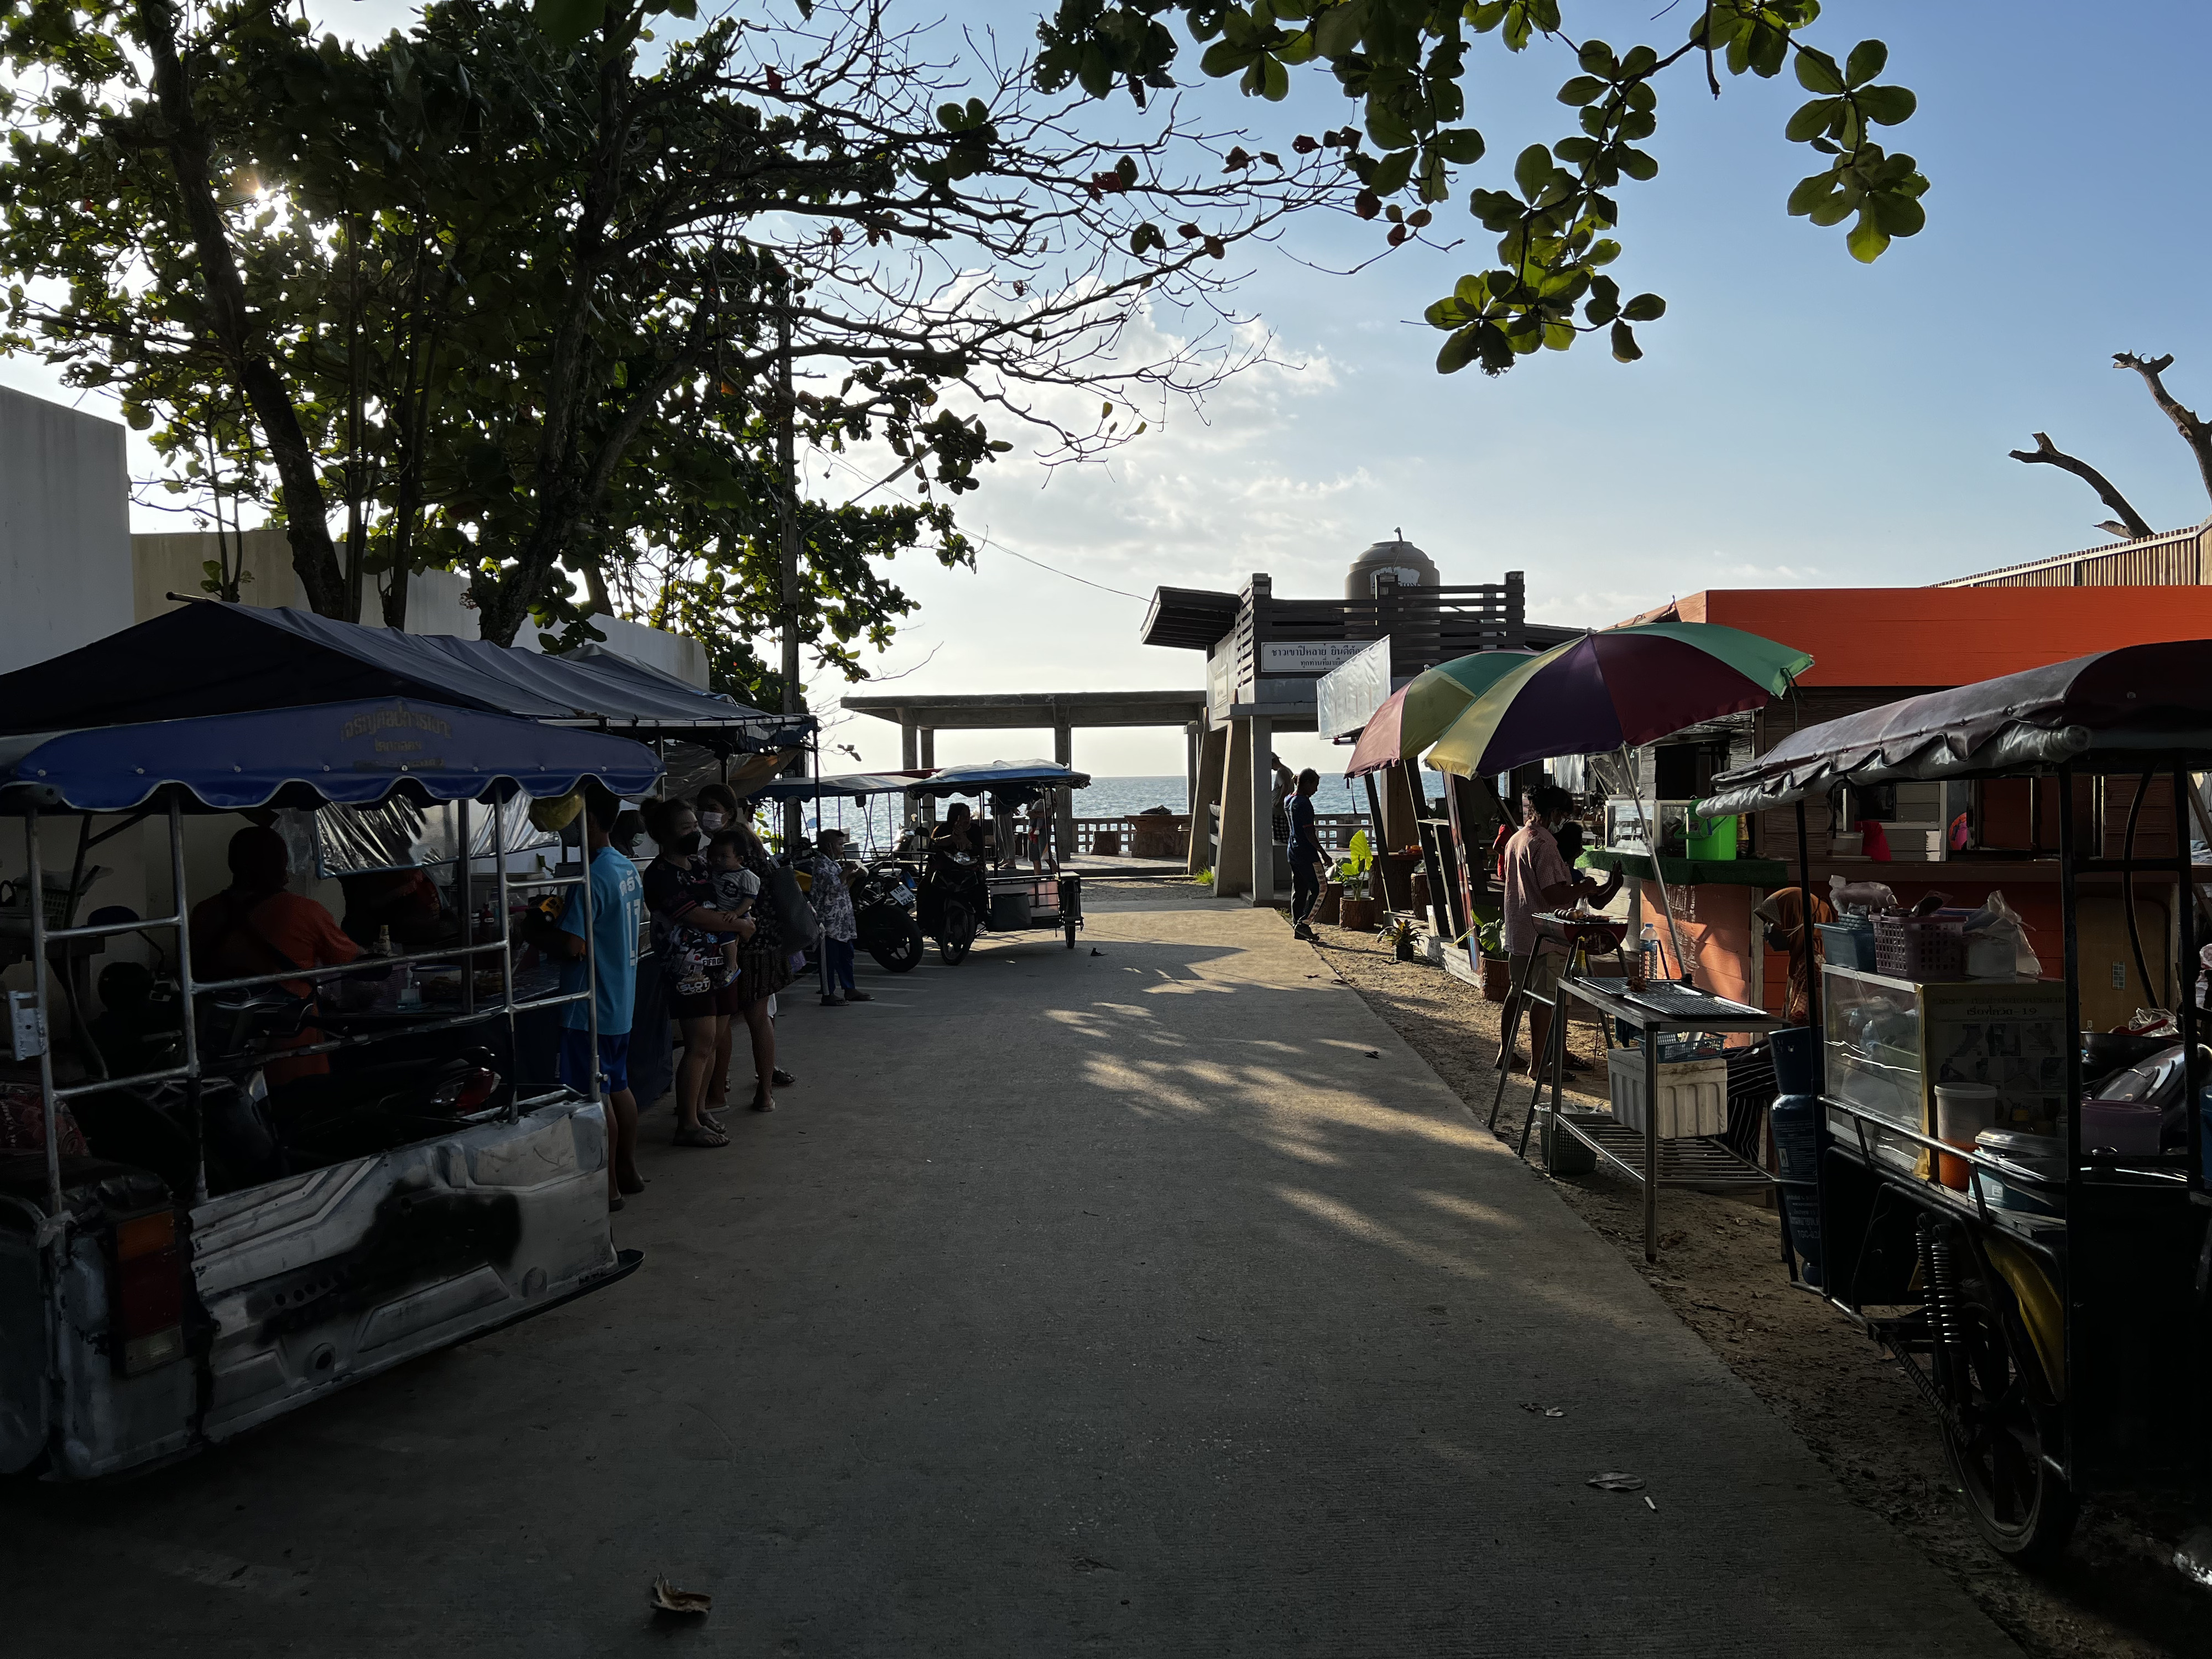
{"type": "Point", "coordinates": [1993, 1432]}
{"type": "Point", "coordinates": [957, 934]}
{"type": "Point", "coordinates": [1069, 928]}
{"type": "Point", "coordinates": [896, 943]}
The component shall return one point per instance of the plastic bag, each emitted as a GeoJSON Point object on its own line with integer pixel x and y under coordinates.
{"type": "Point", "coordinates": [1996, 944]}
{"type": "Point", "coordinates": [1865, 894]}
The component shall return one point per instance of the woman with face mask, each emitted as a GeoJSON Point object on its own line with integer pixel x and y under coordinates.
{"type": "Point", "coordinates": [718, 809]}
{"type": "Point", "coordinates": [687, 937]}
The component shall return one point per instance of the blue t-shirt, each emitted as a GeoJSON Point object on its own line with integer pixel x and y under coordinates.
{"type": "Point", "coordinates": [617, 913]}
{"type": "Point", "coordinates": [1305, 837]}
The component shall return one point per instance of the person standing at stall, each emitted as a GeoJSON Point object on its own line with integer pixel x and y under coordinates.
{"type": "Point", "coordinates": [617, 915]}
{"type": "Point", "coordinates": [255, 926]}
{"type": "Point", "coordinates": [686, 934]}
{"type": "Point", "coordinates": [1536, 879]}
{"type": "Point", "coordinates": [833, 903]}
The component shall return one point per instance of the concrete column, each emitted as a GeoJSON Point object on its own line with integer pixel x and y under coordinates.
{"type": "Point", "coordinates": [1063, 817]}
{"type": "Point", "coordinates": [926, 751]}
{"type": "Point", "coordinates": [908, 753]}
{"type": "Point", "coordinates": [1190, 741]}
{"type": "Point", "coordinates": [1262, 776]}
{"type": "Point", "coordinates": [1212, 751]}
{"type": "Point", "coordinates": [1232, 863]}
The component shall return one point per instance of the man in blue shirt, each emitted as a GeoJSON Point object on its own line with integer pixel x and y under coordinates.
{"type": "Point", "coordinates": [1307, 859]}
{"type": "Point", "coordinates": [617, 915]}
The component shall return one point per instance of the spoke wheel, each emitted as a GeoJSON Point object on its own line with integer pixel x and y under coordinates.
{"type": "Point", "coordinates": [896, 943]}
{"type": "Point", "coordinates": [1993, 1431]}
{"type": "Point", "coordinates": [958, 933]}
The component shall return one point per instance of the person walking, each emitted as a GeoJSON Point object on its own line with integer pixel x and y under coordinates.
{"type": "Point", "coordinates": [686, 934]}
{"type": "Point", "coordinates": [1537, 879]}
{"type": "Point", "coordinates": [833, 903]}
{"type": "Point", "coordinates": [617, 915]}
{"type": "Point", "coordinates": [1307, 859]}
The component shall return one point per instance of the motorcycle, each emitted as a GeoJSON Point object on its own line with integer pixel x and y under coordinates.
{"type": "Point", "coordinates": [954, 900]}
{"type": "Point", "coordinates": [884, 918]}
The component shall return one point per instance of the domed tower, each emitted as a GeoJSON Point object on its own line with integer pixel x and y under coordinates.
{"type": "Point", "coordinates": [1398, 558]}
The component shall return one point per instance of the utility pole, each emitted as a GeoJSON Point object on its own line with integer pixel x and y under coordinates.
{"type": "Point", "coordinates": [794, 809]}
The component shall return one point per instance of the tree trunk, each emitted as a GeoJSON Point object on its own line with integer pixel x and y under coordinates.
{"type": "Point", "coordinates": [189, 151]}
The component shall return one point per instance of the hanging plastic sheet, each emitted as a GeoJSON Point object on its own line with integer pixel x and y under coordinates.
{"type": "Point", "coordinates": [397, 834]}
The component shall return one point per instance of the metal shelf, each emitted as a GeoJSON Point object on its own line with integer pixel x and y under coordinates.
{"type": "Point", "coordinates": [1701, 1161]}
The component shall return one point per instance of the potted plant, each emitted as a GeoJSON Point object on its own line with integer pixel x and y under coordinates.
{"type": "Point", "coordinates": [1356, 906]}
{"type": "Point", "coordinates": [1497, 971]}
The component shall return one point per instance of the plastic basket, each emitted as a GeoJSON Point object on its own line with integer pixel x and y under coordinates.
{"type": "Point", "coordinates": [57, 895]}
{"type": "Point", "coordinates": [1920, 948]}
{"type": "Point", "coordinates": [1848, 943]}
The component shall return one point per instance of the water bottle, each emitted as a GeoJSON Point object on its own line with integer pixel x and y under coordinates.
{"type": "Point", "coordinates": [1649, 948]}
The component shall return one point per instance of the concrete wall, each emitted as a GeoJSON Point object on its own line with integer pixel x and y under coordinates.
{"type": "Point", "coordinates": [176, 563]}
{"type": "Point", "coordinates": [64, 530]}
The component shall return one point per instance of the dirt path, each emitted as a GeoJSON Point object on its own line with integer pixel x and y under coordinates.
{"type": "Point", "coordinates": [1720, 1269]}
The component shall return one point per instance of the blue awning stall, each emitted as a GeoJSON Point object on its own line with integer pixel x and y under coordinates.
{"type": "Point", "coordinates": [1016, 783]}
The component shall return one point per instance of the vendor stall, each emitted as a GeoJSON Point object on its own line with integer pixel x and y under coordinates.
{"type": "Point", "coordinates": [2012, 1203]}
{"type": "Point", "coordinates": [960, 893]}
{"type": "Point", "coordinates": [198, 1246]}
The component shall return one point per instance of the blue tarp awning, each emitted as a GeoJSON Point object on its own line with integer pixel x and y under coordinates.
{"type": "Point", "coordinates": [217, 658]}
{"type": "Point", "coordinates": [356, 753]}
{"type": "Point", "coordinates": [1016, 779]}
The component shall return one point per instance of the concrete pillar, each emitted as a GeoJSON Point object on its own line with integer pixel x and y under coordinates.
{"type": "Point", "coordinates": [1063, 817]}
{"type": "Point", "coordinates": [1190, 743]}
{"type": "Point", "coordinates": [1232, 863]}
{"type": "Point", "coordinates": [1262, 783]}
{"type": "Point", "coordinates": [926, 749]}
{"type": "Point", "coordinates": [1212, 750]}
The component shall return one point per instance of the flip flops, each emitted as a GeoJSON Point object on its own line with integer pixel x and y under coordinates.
{"type": "Point", "coordinates": [701, 1136]}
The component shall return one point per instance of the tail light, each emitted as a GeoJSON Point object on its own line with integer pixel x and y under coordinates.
{"type": "Point", "coordinates": [465, 1092]}
{"type": "Point", "coordinates": [148, 1307]}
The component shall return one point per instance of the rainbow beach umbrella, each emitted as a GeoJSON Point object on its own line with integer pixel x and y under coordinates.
{"type": "Point", "coordinates": [1415, 715]}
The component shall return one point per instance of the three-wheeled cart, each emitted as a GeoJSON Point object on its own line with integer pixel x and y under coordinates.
{"type": "Point", "coordinates": [208, 1262]}
{"type": "Point", "coordinates": [960, 894]}
{"type": "Point", "coordinates": [2045, 1283]}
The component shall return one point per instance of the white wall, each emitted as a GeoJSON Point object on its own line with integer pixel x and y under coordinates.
{"type": "Point", "coordinates": [64, 530]}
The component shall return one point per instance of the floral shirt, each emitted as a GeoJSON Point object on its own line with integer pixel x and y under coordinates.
{"type": "Point", "coordinates": [831, 899]}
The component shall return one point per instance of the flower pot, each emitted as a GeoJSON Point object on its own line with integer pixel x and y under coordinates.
{"type": "Point", "coordinates": [1356, 915]}
{"type": "Point", "coordinates": [1325, 910]}
{"type": "Point", "coordinates": [1496, 979]}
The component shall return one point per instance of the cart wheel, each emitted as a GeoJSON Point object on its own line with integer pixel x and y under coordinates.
{"type": "Point", "coordinates": [1069, 928]}
{"type": "Point", "coordinates": [957, 934]}
{"type": "Point", "coordinates": [1994, 1433]}
{"type": "Point", "coordinates": [897, 946]}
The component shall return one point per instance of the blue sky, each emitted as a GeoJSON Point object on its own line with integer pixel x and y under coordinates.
{"type": "Point", "coordinates": [1798, 418]}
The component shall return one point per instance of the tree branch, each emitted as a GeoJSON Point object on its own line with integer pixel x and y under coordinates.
{"type": "Point", "coordinates": [2049, 454]}
{"type": "Point", "coordinates": [2196, 434]}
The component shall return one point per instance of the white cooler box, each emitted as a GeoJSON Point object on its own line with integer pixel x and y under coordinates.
{"type": "Point", "coordinates": [1692, 1094]}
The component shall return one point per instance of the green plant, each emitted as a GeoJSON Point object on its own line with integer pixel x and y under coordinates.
{"type": "Point", "coordinates": [1203, 878]}
{"type": "Point", "coordinates": [1491, 937]}
{"type": "Point", "coordinates": [1354, 869]}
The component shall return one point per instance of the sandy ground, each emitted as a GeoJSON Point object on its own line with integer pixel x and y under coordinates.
{"type": "Point", "coordinates": [1720, 1269]}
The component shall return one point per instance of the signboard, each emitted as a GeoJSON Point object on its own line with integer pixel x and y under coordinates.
{"type": "Point", "coordinates": [1221, 680]}
{"type": "Point", "coordinates": [1314, 657]}
{"type": "Point", "coordinates": [1347, 696]}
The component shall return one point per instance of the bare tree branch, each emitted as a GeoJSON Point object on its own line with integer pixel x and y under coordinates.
{"type": "Point", "coordinates": [2047, 454]}
{"type": "Point", "coordinates": [2196, 434]}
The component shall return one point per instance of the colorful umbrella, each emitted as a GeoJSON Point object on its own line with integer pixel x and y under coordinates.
{"type": "Point", "coordinates": [1415, 715]}
{"type": "Point", "coordinates": [1616, 689]}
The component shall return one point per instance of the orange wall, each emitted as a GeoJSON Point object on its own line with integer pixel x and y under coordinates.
{"type": "Point", "coordinates": [1928, 636]}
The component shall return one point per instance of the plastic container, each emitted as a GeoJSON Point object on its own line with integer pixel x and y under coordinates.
{"type": "Point", "coordinates": [1921, 949]}
{"type": "Point", "coordinates": [2042, 1155]}
{"type": "Point", "coordinates": [1716, 845]}
{"type": "Point", "coordinates": [1796, 1123]}
{"type": "Point", "coordinates": [1010, 911]}
{"type": "Point", "coordinates": [1847, 844]}
{"type": "Point", "coordinates": [1848, 943]}
{"type": "Point", "coordinates": [1693, 1095]}
{"type": "Point", "coordinates": [2125, 1127]}
{"type": "Point", "coordinates": [1963, 1112]}
{"type": "Point", "coordinates": [1561, 1154]}
{"type": "Point", "coordinates": [1795, 1049]}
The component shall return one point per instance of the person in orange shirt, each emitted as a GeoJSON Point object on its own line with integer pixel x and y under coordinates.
{"type": "Point", "coordinates": [255, 926]}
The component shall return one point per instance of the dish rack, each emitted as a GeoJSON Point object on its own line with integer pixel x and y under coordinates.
{"type": "Point", "coordinates": [16, 896]}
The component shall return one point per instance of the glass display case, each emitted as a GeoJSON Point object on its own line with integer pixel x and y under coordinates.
{"type": "Point", "coordinates": [1890, 1043]}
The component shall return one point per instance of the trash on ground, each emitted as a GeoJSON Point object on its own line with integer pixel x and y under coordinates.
{"type": "Point", "coordinates": [1374, 1054]}
{"type": "Point", "coordinates": [1096, 951]}
{"type": "Point", "coordinates": [1616, 1482]}
{"type": "Point", "coordinates": [1649, 1504]}
{"type": "Point", "coordinates": [1534, 1410]}
{"type": "Point", "coordinates": [667, 1598]}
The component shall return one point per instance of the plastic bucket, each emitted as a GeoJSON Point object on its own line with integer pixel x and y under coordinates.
{"type": "Point", "coordinates": [1795, 1049]}
{"type": "Point", "coordinates": [1796, 1123]}
{"type": "Point", "coordinates": [1963, 1110]}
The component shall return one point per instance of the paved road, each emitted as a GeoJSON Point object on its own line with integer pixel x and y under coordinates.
{"type": "Point", "coordinates": [1157, 1302]}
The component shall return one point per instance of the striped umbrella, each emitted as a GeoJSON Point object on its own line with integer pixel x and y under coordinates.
{"type": "Point", "coordinates": [1416, 714]}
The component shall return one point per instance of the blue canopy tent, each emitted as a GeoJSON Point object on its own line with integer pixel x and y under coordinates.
{"type": "Point", "coordinates": [1015, 782]}
{"type": "Point", "coordinates": [846, 786]}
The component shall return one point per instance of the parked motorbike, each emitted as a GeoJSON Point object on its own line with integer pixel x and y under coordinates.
{"type": "Point", "coordinates": [954, 899]}
{"type": "Point", "coordinates": [884, 918]}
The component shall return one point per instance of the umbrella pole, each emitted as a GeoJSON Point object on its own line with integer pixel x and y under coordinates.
{"type": "Point", "coordinates": [1652, 850]}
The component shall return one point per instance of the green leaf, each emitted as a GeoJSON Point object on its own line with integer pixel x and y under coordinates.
{"type": "Point", "coordinates": [1639, 164]}
{"type": "Point", "coordinates": [1596, 59]}
{"type": "Point", "coordinates": [1391, 172]}
{"type": "Point", "coordinates": [1225, 58]}
{"type": "Point", "coordinates": [1339, 29]}
{"type": "Point", "coordinates": [1900, 215]}
{"type": "Point", "coordinates": [1811, 121]}
{"type": "Point", "coordinates": [1811, 192]}
{"type": "Point", "coordinates": [1867, 239]}
{"type": "Point", "coordinates": [565, 22]}
{"type": "Point", "coordinates": [1835, 210]}
{"type": "Point", "coordinates": [1532, 171]}
{"type": "Point", "coordinates": [1868, 59]}
{"type": "Point", "coordinates": [1640, 61]}
{"type": "Point", "coordinates": [1580, 89]}
{"type": "Point", "coordinates": [1887, 105]}
{"type": "Point", "coordinates": [1462, 146]}
{"type": "Point", "coordinates": [1817, 71]}
{"type": "Point", "coordinates": [1459, 351]}
{"type": "Point", "coordinates": [1624, 349]}
{"type": "Point", "coordinates": [1644, 309]}
{"type": "Point", "coordinates": [1447, 312]}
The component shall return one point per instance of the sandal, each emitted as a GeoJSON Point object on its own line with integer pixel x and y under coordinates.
{"type": "Point", "coordinates": [783, 1078]}
{"type": "Point", "coordinates": [701, 1136]}
{"type": "Point", "coordinates": [763, 1101]}
{"type": "Point", "coordinates": [708, 1119]}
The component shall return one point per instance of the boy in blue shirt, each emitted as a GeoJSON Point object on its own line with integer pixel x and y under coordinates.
{"type": "Point", "coordinates": [617, 913]}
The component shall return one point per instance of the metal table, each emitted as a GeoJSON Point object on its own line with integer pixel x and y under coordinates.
{"type": "Point", "coordinates": [1657, 1009]}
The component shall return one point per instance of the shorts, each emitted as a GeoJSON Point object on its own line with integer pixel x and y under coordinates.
{"type": "Point", "coordinates": [1543, 972]}
{"type": "Point", "coordinates": [576, 1061]}
{"type": "Point", "coordinates": [695, 1004]}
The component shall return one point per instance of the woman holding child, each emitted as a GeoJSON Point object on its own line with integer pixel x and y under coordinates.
{"type": "Point", "coordinates": [760, 964]}
{"type": "Point", "coordinates": [691, 932]}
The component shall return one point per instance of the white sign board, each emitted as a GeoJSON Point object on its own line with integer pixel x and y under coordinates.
{"type": "Point", "coordinates": [1347, 697]}
{"type": "Point", "coordinates": [1314, 657]}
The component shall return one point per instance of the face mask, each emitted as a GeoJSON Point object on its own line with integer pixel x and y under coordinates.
{"type": "Point", "coordinates": [710, 820]}
{"type": "Point", "coordinates": [686, 844]}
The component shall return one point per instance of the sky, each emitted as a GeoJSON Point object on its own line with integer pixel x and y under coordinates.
{"type": "Point", "coordinates": [1798, 419]}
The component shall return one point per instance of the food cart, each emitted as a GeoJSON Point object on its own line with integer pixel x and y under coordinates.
{"type": "Point", "coordinates": [960, 895]}
{"type": "Point", "coordinates": [2044, 1279]}
{"type": "Point", "coordinates": [151, 1306]}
